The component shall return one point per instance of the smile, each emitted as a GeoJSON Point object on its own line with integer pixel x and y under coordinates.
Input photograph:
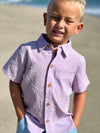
{"type": "Point", "coordinates": [58, 32]}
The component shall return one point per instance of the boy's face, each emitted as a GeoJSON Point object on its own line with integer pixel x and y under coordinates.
{"type": "Point", "coordinates": [61, 21]}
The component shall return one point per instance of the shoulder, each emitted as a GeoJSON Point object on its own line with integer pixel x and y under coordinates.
{"type": "Point", "coordinates": [27, 47]}
{"type": "Point", "coordinates": [31, 44]}
{"type": "Point", "coordinates": [77, 56]}
{"type": "Point", "coordinates": [80, 61]}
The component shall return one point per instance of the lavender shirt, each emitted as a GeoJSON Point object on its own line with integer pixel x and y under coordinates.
{"type": "Point", "coordinates": [47, 83]}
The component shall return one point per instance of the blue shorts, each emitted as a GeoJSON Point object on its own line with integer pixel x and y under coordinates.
{"type": "Point", "coordinates": [72, 131]}
{"type": "Point", "coordinates": [22, 127]}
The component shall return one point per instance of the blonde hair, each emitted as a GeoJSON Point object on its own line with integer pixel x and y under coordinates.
{"type": "Point", "coordinates": [80, 3]}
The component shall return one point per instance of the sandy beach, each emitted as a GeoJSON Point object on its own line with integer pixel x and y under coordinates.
{"type": "Point", "coordinates": [20, 24]}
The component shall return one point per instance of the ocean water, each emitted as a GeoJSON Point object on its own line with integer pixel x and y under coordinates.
{"type": "Point", "coordinates": [93, 6]}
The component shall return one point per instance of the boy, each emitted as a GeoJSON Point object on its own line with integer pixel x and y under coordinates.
{"type": "Point", "coordinates": [44, 73]}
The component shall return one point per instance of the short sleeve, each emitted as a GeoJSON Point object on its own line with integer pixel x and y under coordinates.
{"type": "Point", "coordinates": [15, 66]}
{"type": "Point", "coordinates": [81, 80]}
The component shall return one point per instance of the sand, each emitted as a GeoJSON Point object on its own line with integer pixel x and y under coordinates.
{"type": "Point", "coordinates": [20, 24]}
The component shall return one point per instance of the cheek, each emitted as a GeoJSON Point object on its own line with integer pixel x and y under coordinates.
{"type": "Point", "coordinates": [49, 26]}
{"type": "Point", "coordinates": [51, 23]}
{"type": "Point", "coordinates": [70, 29]}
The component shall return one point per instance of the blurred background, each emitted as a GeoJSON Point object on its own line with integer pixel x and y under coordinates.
{"type": "Point", "coordinates": [93, 6]}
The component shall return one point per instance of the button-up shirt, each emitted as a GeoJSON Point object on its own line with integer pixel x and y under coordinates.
{"type": "Point", "coordinates": [47, 81]}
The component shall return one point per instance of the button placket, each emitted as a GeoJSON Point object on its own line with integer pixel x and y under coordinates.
{"type": "Point", "coordinates": [48, 96]}
{"type": "Point", "coordinates": [49, 91]}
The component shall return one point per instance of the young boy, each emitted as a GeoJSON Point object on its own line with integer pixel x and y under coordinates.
{"type": "Point", "coordinates": [44, 73]}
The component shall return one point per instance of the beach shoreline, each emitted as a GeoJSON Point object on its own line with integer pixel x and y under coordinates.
{"type": "Point", "coordinates": [91, 10]}
{"type": "Point", "coordinates": [21, 24]}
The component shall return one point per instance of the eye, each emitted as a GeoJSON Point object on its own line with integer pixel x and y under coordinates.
{"type": "Point", "coordinates": [54, 18]}
{"type": "Point", "coordinates": [69, 21]}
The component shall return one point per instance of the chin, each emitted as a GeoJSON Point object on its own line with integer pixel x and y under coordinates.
{"type": "Point", "coordinates": [56, 41]}
{"type": "Point", "coordinates": [59, 42]}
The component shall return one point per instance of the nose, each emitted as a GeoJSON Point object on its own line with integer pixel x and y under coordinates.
{"type": "Point", "coordinates": [60, 23]}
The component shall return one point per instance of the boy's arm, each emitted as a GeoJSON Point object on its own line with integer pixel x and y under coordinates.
{"type": "Point", "coordinates": [16, 95]}
{"type": "Point", "coordinates": [78, 106]}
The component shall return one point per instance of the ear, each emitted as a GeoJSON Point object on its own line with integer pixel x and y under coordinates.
{"type": "Point", "coordinates": [78, 28]}
{"type": "Point", "coordinates": [45, 18]}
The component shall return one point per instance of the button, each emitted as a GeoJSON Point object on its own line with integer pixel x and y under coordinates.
{"type": "Point", "coordinates": [49, 46]}
{"type": "Point", "coordinates": [49, 85]}
{"type": "Point", "coordinates": [47, 121]}
{"type": "Point", "coordinates": [47, 104]}
{"type": "Point", "coordinates": [51, 66]}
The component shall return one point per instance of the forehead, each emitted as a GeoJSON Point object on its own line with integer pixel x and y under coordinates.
{"type": "Point", "coordinates": [64, 8]}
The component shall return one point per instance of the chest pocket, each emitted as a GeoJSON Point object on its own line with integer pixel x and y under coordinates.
{"type": "Point", "coordinates": [65, 77]}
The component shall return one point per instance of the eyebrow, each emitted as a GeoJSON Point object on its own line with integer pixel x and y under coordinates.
{"type": "Point", "coordinates": [69, 18]}
{"type": "Point", "coordinates": [54, 13]}
{"type": "Point", "coordinates": [58, 14]}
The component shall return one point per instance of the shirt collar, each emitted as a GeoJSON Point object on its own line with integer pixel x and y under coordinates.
{"type": "Point", "coordinates": [42, 44]}
{"type": "Point", "coordinates": [66, 48]}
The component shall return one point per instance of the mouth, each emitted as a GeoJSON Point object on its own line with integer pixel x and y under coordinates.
{"type": "Point", "coordinates": [58, 33]}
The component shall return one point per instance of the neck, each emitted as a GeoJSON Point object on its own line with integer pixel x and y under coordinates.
{"type": "Point", "coordinates": [55, 48]}
{"type": "Point", "coordinates": [54, 44]}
